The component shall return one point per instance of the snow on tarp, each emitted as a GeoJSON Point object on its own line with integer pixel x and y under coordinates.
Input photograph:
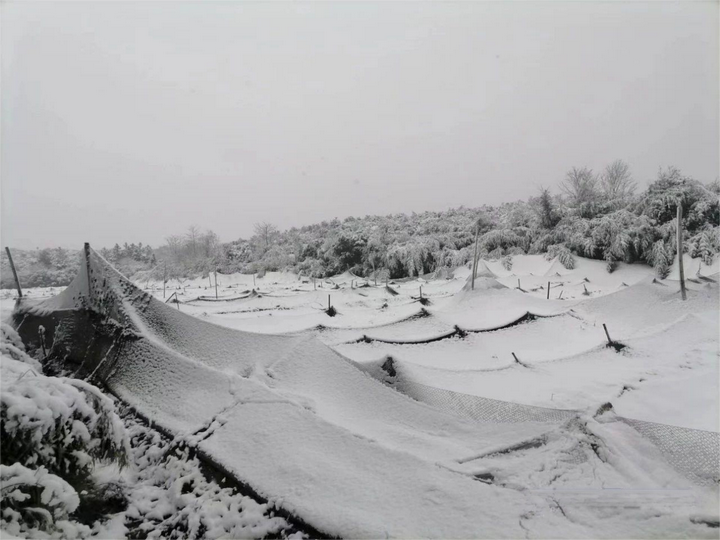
{"type": "Point", "coordinates": [298, 422]}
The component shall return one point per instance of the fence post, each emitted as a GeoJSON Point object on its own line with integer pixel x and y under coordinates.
{"type": "Point", "coordinates": [548, 291]}
{"type": "Point", "coordinates": [12, 267]}
{"type": "Point", "coordinates": [475, 257]}
{"type": "Point", "coordinates": [680, 251]}
{"type": "Point", "coordinates": [610, 341]}
{"type": "Point", "coordinates": [86, 249]}
{"type": "Point", "coordinates": [328, 301]}
{"type": "Point", "coordinates": [164, 276]}
{"type": "Point", "coordinates": [216, 285]}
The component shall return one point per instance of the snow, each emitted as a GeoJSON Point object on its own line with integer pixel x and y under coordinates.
{"type": "Point", "coordinates": [56, 493]}
{"type": "Point", "coordinates": [285, 409]}
{"type": "Point", "coordinates": [169, 496]}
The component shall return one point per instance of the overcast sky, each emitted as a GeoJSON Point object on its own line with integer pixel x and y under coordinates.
{"type": "Point", "coordinates": [132, 121]}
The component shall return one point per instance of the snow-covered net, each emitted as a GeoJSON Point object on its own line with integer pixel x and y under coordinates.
{"type": "Point", "coordinates": [480, 408]}
{"type": "Point", "coordinates": [178, 367]}
{"type": "Point", "coordinates": [693, 452]}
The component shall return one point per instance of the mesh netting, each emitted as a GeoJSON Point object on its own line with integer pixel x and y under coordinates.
{"type": "Point", "coordinates": [693, 452]}
{"type": "Point", "coordinates": [479, 408]}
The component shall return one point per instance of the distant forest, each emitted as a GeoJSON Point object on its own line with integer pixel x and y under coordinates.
{"type": "Point", "coordinates": [599, 216]}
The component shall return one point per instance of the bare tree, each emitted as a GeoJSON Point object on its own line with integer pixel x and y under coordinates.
{"type": "Point", "coordinates": [265, 234]}
{"type": "Point", "coordinates": [174, 244]}
{"type": "Point", "coordinates": [580, 185]}
{"type": "Point", "coordinates": [192, 236]}
{"type": "Point", "coordinates": [616, 181]}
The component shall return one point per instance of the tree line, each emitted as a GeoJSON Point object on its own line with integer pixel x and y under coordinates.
{"type": "Point", "coordinates": [595, 215]}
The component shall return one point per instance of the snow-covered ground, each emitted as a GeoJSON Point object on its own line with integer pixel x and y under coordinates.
{"type": "Point", "coordinates": [668, 373]}
{"type": "Point", "coordinates": [352, 457]}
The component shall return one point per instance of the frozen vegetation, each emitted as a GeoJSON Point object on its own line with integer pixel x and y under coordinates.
{"type": "Point", "coordinates": [72, 467]}
{"type": "Point", "coordinates": [597, 216]}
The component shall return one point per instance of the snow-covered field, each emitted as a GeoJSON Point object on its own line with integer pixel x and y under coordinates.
{"type": "Point", "coordinates": [669, 373]}
{"type": "Point", "coordinates": [366, 461]}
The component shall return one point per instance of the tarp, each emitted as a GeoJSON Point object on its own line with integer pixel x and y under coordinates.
{"type": "Point", "coordinates": [284, 414]}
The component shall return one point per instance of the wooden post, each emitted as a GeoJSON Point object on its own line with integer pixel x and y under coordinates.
{"type": "Point", "coordinates": [41, 334]}
{"type": "Point", "coordinates": [164, 276]}
{"type": "Point", "coordinates": [328, 301]}
{"type": "Point", "coordinates": [12, 267]}
{"type": "Point", "coordinates": [253, 281]}
{"type": "Point", "coordinates": [519, 284]}
{"type": "Point", "coordinates": [216, 285]}
{"type": "Point", "coordinates": [610, 341]}
{"type": "Point", "coordinates": [548, 291]}
{"type": "Point", "coordinates": [420, 292]}
{"type": "Point", "coordinates": [86, 249]}
{"type": "Point", "coordinates": [475, 261]}
{"type": "Point", "coordinates": [516, 358]}
{"type": "Point", "coordinates": [680, 251]}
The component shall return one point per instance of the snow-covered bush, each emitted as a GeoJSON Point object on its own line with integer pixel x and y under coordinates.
{"type": "Point", "coordinates": [12, 346]}
{"type": "Point", "coordinates": [35, 500]}
{"type": "Point", "coordinates": [55, 424]}
{"type": "Point", "coordinates": [507, 262]}
{"type": "Point", "coordinates": [705, 245]}
{"type": "Point", "coordinates": [170, 498]}
{"type": "Point", "coordinates": [61, 424]}
{"type": "Point", "coordinates": [661, 259]}
{"type": "Point", "coordinates": [563, 254]}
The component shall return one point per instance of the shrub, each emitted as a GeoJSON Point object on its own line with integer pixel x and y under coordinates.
{"type": "Point", "coordinates": [37, 500]}
{"type": "Point", "coordinates": [61, 424]}
{"type": "Point", "coordinates": [563, 254]}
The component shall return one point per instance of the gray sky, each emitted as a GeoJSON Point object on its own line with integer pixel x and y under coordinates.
{"type": "Point", "coordinates": [131, 121]}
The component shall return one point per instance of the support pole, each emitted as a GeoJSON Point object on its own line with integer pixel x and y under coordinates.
{"type": "Point", "coordinates": [164, 276]}
{"type": "Point", "coordinates": [475, 261]}
{"type": "Point", "coordinates": [216, 285]}
{"type": "Point", "coordinates": [610, 341]}
{"type": "Point", "coordinates": [86, 250]}
{"type": "Point", "coordinates": [328, 301]}
{"type": "Point", "coordinates": [41, 334]}
{"type": "Point", "coordinates": [548, 291]}
{"type": "Point", "coordinates": [12, 267]}
{"type": "Point", "coordinates": [680, 251]}
{"type": "Point", "coordinates": [420, 292]}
